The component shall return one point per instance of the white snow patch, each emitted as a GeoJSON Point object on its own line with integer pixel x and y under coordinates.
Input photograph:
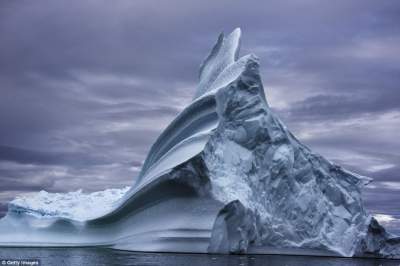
{"type": "Point", "coordinates": [72, 205]}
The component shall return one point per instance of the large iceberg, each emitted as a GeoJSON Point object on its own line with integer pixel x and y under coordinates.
{"type": "Point", "coordinates": [226, 176]}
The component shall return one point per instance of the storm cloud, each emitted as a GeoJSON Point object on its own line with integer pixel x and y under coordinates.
{"type": "Point", "coordinates": [87, 86]}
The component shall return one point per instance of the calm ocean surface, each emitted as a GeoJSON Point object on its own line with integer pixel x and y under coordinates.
{"type": "Point", "coordinates": [100, 256]}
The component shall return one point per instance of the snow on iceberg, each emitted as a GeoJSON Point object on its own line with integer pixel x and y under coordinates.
{"type": "Point", "coordinates": [75, 205]}
{"type": "Point", "coordinates": [226, 176]}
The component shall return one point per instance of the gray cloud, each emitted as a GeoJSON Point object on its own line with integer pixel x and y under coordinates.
{"type": "Point", "coordinates": [86, 87]}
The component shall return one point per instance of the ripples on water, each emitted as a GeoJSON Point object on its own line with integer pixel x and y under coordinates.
{"type": "Point", "coordinates": [102, 256]}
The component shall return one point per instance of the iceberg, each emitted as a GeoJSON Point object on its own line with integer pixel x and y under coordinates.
{"type": "Point", "coordinates": [226, 176]}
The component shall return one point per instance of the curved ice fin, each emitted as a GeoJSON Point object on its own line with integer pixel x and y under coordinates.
{"type": "Point", "coordinates": [224, 53]}
{"type": "Point", "coordinates": [211, 57]}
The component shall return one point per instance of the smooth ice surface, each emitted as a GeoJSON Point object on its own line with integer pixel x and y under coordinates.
{"type": "Point", "coordinates": [226, 176]}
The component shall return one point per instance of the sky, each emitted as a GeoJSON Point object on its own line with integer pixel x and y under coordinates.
{"type": "Point", "coordinates": [87, 86]}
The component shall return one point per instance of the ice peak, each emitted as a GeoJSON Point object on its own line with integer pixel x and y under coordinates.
{"type": "Point", "coordinates": [224, 53]}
